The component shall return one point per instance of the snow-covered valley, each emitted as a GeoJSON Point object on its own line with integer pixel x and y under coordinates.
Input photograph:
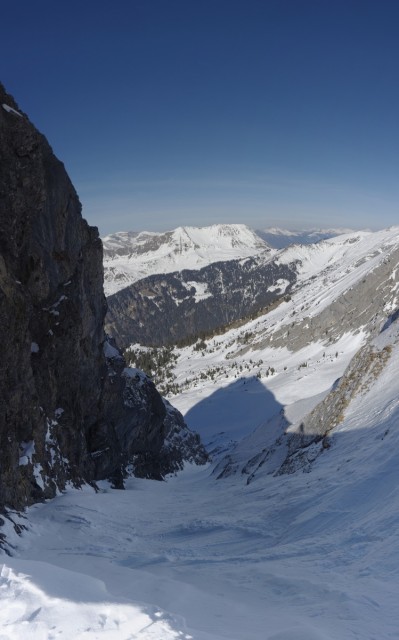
{"type": "Point", "coordinates": [302, 556]}
{"type": "Point", "coordinates": [290, 532]}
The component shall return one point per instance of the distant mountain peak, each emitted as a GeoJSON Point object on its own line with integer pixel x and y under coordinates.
{"type": "Point", "coordinates": [130, 256]}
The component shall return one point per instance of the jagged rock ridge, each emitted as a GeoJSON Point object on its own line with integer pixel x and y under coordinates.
{"type": "Point", "coordinates": [64, 414]}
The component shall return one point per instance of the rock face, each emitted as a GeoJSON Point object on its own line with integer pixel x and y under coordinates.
{"type": "Point", "coordinates": [152, 435]}
{"type": "Point", "coordinates": [65, 415]}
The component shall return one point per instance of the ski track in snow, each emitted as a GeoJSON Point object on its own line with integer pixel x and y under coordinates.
{"type": "Point", "coordinates": [307, 556]}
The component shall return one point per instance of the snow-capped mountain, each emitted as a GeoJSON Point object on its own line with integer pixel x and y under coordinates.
{"type": "Point", "coordinates": [281, 238]}
{"type": "Point", "coordinates": [131, 256]}
{"type": "Point", "coordinates": [266, 376]}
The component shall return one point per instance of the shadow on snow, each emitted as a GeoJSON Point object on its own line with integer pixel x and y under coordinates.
{"type": "Point", "coordinates": [232, 413]}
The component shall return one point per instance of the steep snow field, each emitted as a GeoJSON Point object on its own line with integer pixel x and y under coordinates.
{"type": "Point", "coordinates": [313, 555]}
{"type": "Point", "coordinates": [130, 256]}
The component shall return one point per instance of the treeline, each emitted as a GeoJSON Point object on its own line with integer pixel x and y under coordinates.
{"type": "Point", "coordinates": [201, 336]}
{"type": "Point", "coordinates": [157, 363]}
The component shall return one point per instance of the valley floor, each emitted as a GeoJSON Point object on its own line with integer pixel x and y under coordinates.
{"type": "Point", "coordinates": [310, 556]}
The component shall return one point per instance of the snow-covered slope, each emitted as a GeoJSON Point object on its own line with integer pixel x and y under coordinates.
{"type": "Point", "coordinates": [298, 539]}
{"type": "Point", "coordinates": [346, 289]}
{"type": "Point", "coordinates": [130, 256]}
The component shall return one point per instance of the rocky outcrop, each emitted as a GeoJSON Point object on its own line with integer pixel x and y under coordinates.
{"type": "Point", "coordinates": [312, 435]}
{"type": "Point", "coordinates": [180, 444]}
{"type": "Point", "coordinates": [64, 415]}
{"type": "Point", "coordinates": [154, 439]}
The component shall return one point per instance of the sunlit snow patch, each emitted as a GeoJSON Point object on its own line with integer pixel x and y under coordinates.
{"type": "Point", "coordinates": [9, 109]}
{"type": "Point", "coordinates": [38, 600]}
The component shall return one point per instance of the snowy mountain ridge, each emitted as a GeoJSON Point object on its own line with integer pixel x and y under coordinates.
{"type": "Point", "coordinates": [131, 256]}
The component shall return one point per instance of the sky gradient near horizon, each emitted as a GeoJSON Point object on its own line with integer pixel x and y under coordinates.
{"type": "Point", "coordinates": [172, 112]}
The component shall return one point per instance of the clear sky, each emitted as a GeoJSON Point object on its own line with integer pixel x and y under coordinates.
{"type": "Point", "coordinates": [171, 112]}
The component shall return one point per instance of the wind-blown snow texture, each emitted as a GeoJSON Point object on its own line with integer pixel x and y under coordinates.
{"type": "Point", "coordinates": [310, 554]}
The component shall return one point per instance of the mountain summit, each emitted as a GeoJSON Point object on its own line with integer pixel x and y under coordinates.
{"type": "Point", "coordinates": [130, 256]}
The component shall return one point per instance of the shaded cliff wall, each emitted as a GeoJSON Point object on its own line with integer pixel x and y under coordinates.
{"type": "Point", "coordinates": [64, 409]}
{"type": "Point", "coordinates": [51, 312]}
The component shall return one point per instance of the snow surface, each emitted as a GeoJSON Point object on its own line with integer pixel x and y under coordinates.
{"type": "Point", "coordinates": [110, 351]}
{"type": "Point", "coordinates": [201, 290]}
{"type": "Point", "coordinates": [9, 109]}
{"type": "Point", "coordinates": [330, 268]}
{"type": "Point", "coordinates": [27, 449]}
{"type": "Point", "coordinates": [307, 556]}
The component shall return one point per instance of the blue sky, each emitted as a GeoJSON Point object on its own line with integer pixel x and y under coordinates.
{"type": "Point", "coordinates": [171, 112]}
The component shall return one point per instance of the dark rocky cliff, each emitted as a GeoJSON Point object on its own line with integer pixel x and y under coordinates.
{"type": "Point", "coordinates": [65, 412]}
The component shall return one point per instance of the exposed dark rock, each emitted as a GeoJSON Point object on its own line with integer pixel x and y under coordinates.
{"type": "Point", "coordinates": [153, 436]}
{"type": "Point", "coordinates": [64, 416]}
{"type": "Point", "coordinates": [180, 444]}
